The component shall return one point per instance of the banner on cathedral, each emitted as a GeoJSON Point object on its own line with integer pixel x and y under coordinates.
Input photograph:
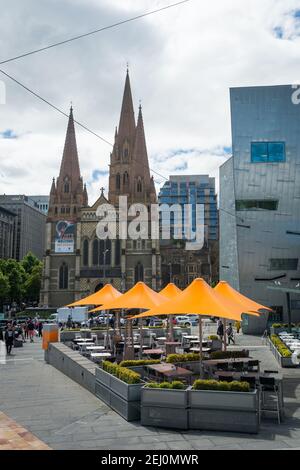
{"type": "Point", "coordinates": [65, 237]}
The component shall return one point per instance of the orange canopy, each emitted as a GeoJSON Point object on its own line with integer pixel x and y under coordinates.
{"type": "Point", "coordinates": [138, 297]}
{"type": "Point", "coordinates": [107, 294]}
{"type": "Point", "coordinates": [200, 299]}
{"type": "Point", "coordinates": [170, 291]}
{"type": "Point", "coordinates": [229, 292]}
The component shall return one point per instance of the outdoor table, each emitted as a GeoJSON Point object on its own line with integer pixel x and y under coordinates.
{"type": "Point", "coordinates": [81, 340]}
{"type": "Point", "coordinates": [191, 337]}
{"type": "Point", "coordinates": [169, 371]}
{"type": "Point", "coordinates": [102, 355]}
{"type": "Point", "coordinates": [162, 338]}
{"type": "Point", "coordinates": [171, 347]}
{"type": "Point", "coordinates": [95, 348]}
{"type": "Point", "coordinates": [214, 362]}
{"type": "Point", "coordinates": [153, 352]}
{"type": "Point", "coordinates": [204, 350]}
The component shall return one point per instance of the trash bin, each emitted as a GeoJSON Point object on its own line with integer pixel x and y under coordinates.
{"type": "Point", "coordinates": [50, 334]}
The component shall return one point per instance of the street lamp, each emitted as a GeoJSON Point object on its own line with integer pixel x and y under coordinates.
{"type": "Point", "coordinates": [104, 262]}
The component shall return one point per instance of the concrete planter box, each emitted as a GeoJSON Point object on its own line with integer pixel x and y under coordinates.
{"type": "Point", "coordinates": [211, 410]}
{"type": "Point", "coordinates": [216, 345]}
{"type": "Point", "coordinates": [129, 410]}
{"type": "Point", "coordinates": [282, 361]}
{"type": "Point", "coordinates": [164, 408]}
{"type": "Point", "coordinates": [126, 391]}
{"type": "Point", "coordinates": [121, 397]}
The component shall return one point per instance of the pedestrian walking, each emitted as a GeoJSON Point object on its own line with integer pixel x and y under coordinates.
{"type": "Point", "coordinates": [40, 329]}
{"type": "Point", "coordinates": [230, 335]}
{"type": "Point", "coordinates": [238, 326]}
{"type": "Point", "coordinates": [220, 329]}
{"type": "Point", "coordinates": [31, 330]}
{"type": "Point", "coordinates": [9, 338]}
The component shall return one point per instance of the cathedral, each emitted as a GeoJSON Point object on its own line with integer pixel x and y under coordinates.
{"type": "Point", "coordinates": [78, 263]}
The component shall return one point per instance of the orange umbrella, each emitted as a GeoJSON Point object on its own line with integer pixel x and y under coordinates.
{"type": "Point", "coordinates": [139, 296]}
{"type": "Point", "coordinates": [107, 294]}
{"type": "Point", "coordinates": [170, 291]}
{"type": "Point", "coordinates": [230, 293]}
{"type": "Point", "coordinates": [200, 299]}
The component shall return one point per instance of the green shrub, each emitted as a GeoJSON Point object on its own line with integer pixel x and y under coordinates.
{"type": "Point", "coordinates": [175, 358]}
{"type": "Point", "coordinates": [126, 375]}
{"type": "Point", "coordinates": [221, 386]}
{"type": "Point", "coordinates": [280, 346]}
{"type": "Point", "coordinates": [176, 385]}
{"type": "Point", "coordinates": [213, 337]}
{"type": "Point", "coordinates": [139, 363]}
{"type": "Point", "coordinates": [229, 354]}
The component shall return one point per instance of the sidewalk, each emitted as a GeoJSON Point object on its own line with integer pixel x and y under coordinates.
{"type": "Point", "coordinates": [65, 416]}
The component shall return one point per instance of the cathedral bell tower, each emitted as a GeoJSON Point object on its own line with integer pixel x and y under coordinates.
{"type": "Point", "coordinates": [62, 257]}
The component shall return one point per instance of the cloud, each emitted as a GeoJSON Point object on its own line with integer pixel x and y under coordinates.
{"type": "Point", "coordinates": [182, 63]}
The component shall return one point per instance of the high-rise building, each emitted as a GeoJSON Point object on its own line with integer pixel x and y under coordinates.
{"type": "Point", "coordinates": [7, 232]}
{"type": "Point", "coordinates": [77, 262]}
{"type": "Point", "coordinates": [42, 203]}
{"type": "Point", "coordinates": [29, 225]}
{"type": "Point", "coordinates": [260, 201]}
{"type": "Point", "coordinates": [178, 264]}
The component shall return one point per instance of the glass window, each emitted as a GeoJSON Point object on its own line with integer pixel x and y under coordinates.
{"type": "Point", "coordinates": [287, 264]}
{"type": "Point", "coordinates": [267, 152]}
{"type": "Point", "coordinates": [85, 253]}
{"type": "Point", "coordinates": [256, 205]}
{"type": "Point", "coordinates": [63, 276]}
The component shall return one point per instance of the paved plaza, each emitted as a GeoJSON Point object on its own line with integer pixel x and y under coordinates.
{"type": "Point", "coordinates": [63, 415]}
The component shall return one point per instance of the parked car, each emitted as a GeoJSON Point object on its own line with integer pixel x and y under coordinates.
{"type": "Point", "coordinates": [187, 320]}
{"type": "Point", "coordinates": [155, 321]}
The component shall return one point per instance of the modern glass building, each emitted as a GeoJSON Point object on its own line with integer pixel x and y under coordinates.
{"type": "Point", "coordinates": [196, 189]}
{"type": "Point", "coordinates": [260, 201]}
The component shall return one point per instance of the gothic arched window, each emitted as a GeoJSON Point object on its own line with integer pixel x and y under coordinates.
{"type": "Point", "coordinates": [139, 186]}
{"type": "Point", "coordinates": [85, 253]}
{"type": "Point", "coordinates": [63, 276]}
{"type": "Point", "coordinates": [125, 154]}
{"type": "Point", "coordinates": [118, 252]}
{"type": "Point", "coordinates": [95, 253]}
{"type": "Point", "coordinates": [108, 253]}
{"type": "Point", "coordinates": [125, 179]}
{"type": "Point", "coordinates": [139, 272]}
{"type": "Point", "coordinates": [118, 181]}
{"type": "Point", "coordinates": [66, 186]}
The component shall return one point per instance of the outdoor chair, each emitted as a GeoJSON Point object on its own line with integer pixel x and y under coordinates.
{"type": "Point", "coordinates": [253, 366]}
{"type": "Point", "coordinates": [238, 366]}
{"type": "Point", "coordinates": [251, 381]}
{"type": "Point", "coordinates": [225, 378]}
{"type": "Point", "coordinates": [222, 366]}
{"type": "Point", "coordinates": [269, 389]}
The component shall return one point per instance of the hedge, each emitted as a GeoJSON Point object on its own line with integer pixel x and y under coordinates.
{"type": "Point", "coordinates": [229, 354]}
{"type": "Point", "coordinates": [176, 385]}
{"type": "Point", "coordinates": [139, 363]}
{"type": "Point", "coordinates": [126, 375]}
{"type": "Point", "coordinates": [221, 386]}
{"type": "Point", "coordinates": [189, 357]}
{"type": "Point", "coordinates": [280, 346]}
{"type": "Point", "coordinates": [213, 338]}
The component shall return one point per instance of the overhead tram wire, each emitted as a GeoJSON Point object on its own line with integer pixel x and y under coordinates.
{"type": "Point", "coordinates": [85, 127]}
{"type": "Point", "coordinates": [90, 33]}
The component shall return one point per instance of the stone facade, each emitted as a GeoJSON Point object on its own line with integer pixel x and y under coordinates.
{"type": "Point", "coordinates": [77, 262]}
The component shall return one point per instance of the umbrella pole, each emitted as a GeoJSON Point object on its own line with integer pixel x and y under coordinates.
{"type": "Point", "coordinates": [107, 328]}
{"type": "Point", "coordinates": [171, 328]}
{"type": "Point", "coordinates": [200, 344]}
{"type": "Point", "coordinates": [225, 335]}
{"type": "Point", "coordinates": [141, 339]}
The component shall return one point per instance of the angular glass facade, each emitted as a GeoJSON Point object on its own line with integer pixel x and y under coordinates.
{"type": "Point", "coordinates": [260, 200]}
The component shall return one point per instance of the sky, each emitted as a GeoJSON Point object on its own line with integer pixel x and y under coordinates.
{"type": "Point", "coordinates": [182, 63]}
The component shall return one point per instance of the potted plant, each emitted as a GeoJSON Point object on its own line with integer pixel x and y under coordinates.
{"type": "Point", "coordinates": [165, 405]}
{"type": "Point", "coordinates": [120, 388]}
{"type": "Point", "coordinates": [223, 406]}
{"type": "Point", "coordinates": [281, 352]}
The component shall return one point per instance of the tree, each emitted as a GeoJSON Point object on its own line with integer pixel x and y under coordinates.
{"type": "Point", "coordinates": [33, 284]}
{"type": "Point", "coordinates": [29, 262]}
{"type": "Point", "coordinates": [4, 288]}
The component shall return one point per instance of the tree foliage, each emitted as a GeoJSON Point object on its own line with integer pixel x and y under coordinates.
{"type": "Point", "coordinates": [20, 281]}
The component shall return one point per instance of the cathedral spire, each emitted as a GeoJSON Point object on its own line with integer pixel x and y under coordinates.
{"type": "Point", "coordinates": [140, 155]}
{"type": "Point", "coordinates": [70, 164]}
{"type": "Point", "coordinates": [126, 128]}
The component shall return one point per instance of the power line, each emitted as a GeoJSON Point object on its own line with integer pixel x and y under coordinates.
{"type": "Point", "coordinates": [105, 28]}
